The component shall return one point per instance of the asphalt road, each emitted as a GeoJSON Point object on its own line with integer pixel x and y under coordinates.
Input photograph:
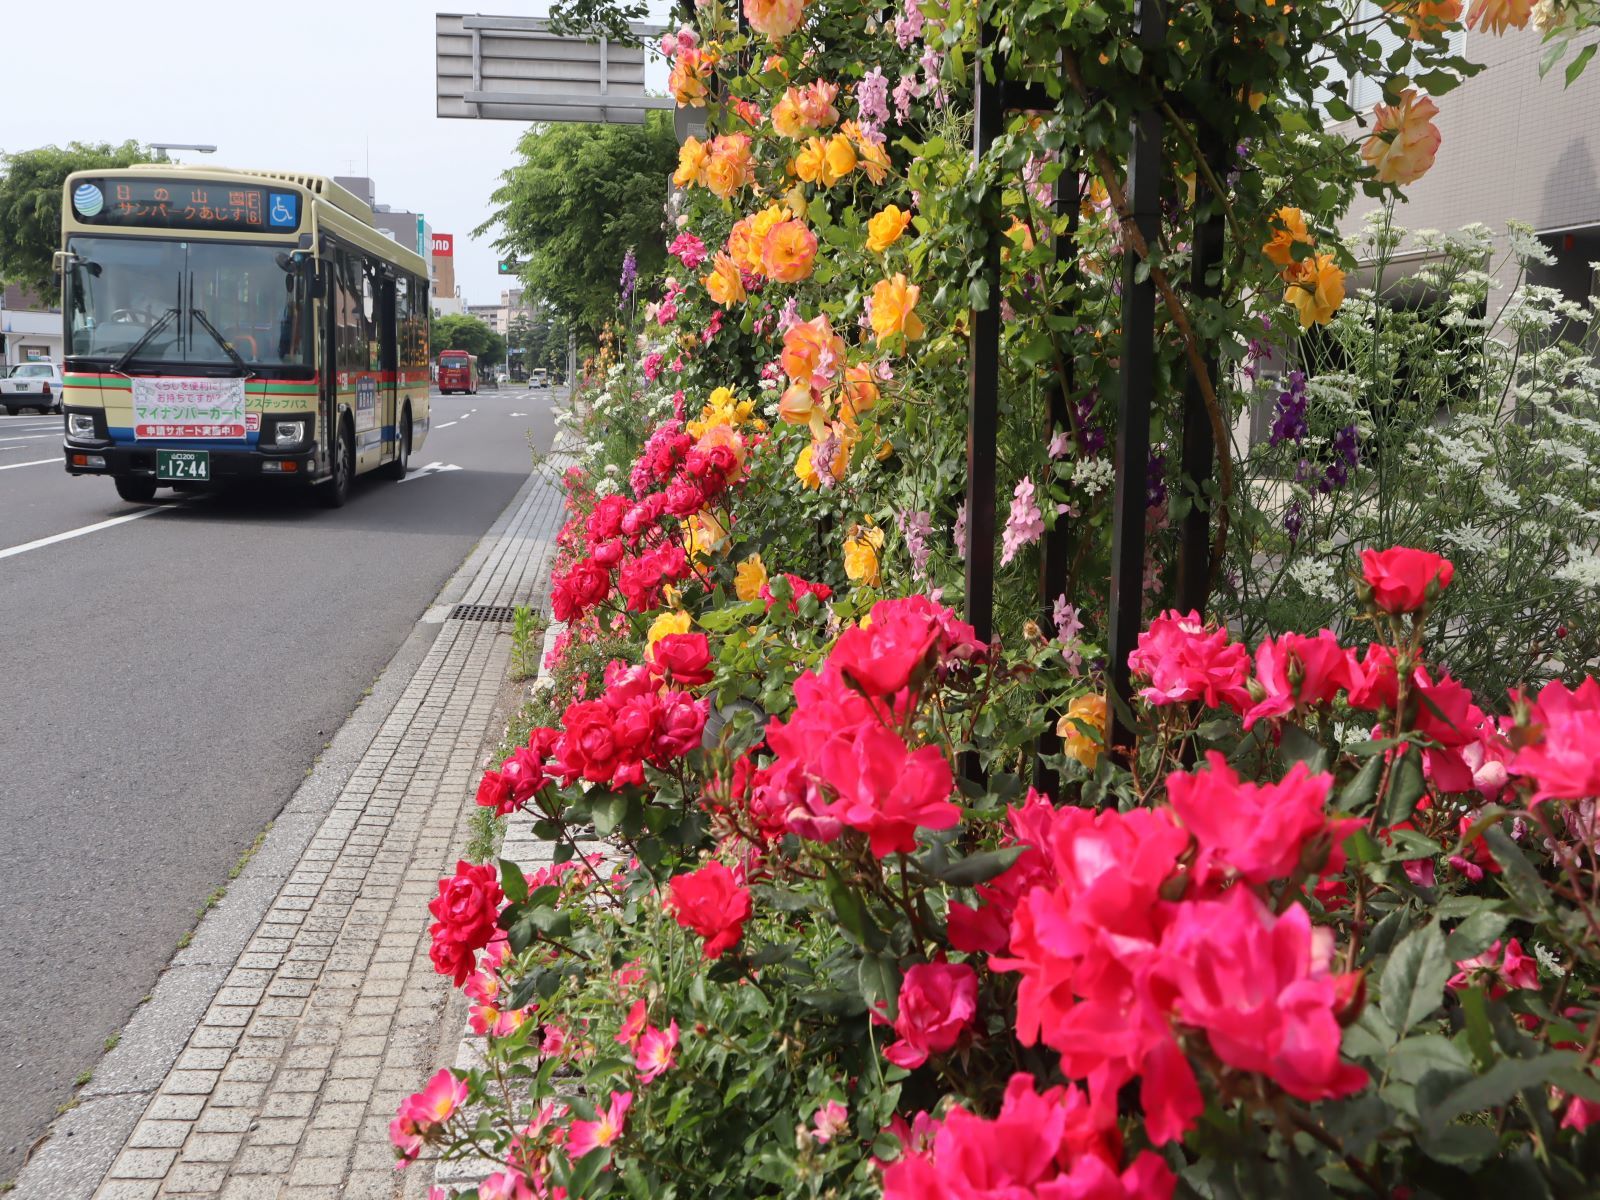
{"type": "Point", "coordinates": [166, 681]}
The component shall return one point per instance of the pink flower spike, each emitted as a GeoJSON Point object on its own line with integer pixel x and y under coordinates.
{"type": "Point", "coordinates": [586, 1136]}
{"type": "Point", "coordinates": [654, 1055]}
{"type": "Point", "coordinates": [830, 1120]}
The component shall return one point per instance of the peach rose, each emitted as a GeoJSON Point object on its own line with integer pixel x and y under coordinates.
{"type": "Point", "coordinates": [884, 228]}
{"type": "Point", "coordinates": [1288, 227]}
{"type": "Point", "coordinates": [894, 303]}
{"type": "Point", "coordinates": [788, 251]}
{"type": "Point", "coordinates": [788, 118]}
{"type": "Point", "coordinates": [775, 18]}
{"type": "Point", "coordinates": [1496, 16]}
{"type": "Point", "coordinates": [1425, 18]}
{"type": "Point", "coordinates": [1404, 139]}
{"type": "Point", "coordinates": [692, 158]}
{"type": "Point", "coordinates": [859, 393]}
{"type": "Point", "coordinates": [812, 352]}
{"type": "Point", "coordinates": [729, 168]}
{"type": "Point", "coordinates": [841, 156]}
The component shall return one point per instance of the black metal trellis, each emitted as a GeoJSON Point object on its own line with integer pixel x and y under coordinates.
{"type": "Point", "coordinates": [1135, 390]}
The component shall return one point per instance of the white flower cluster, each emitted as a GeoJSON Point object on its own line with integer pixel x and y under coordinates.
{"type": "Point", "coordinates": [1582, 571]}
{"type": "Point", "coordinates": [1317, 578]}
{"type": "Point", "coordinates": [1094, 475]}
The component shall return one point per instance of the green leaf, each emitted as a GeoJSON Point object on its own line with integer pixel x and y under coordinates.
{"type": "Point", "coordinates": [607, 813]}
{"type": "Point", "coordinates": [1299, 746]}
{"type": "Point", "coordinates": [1474, 935]}
{"type": "Point", "coordinates": [1576, 66]}
{"type": "Point", "coordinates": [1417, 1056]}
{"type": "Point", "coordinates": [1406, 787]}
{"type": "Point", "coordinates": [1413, 979]}
{"type": "Point", "coordinates": [512, 881]}
{"type": "Point", "coordinates": [1496, 1086]}
{"type": "Point", "coordinates": [852, 913]}
{"type": "Point", "coordinates": [880, 983]}
{"type": "Point", "coordinates": [1459, 1145]}
{"type": "Point", "coordinates": [1517, 874]}
{"type": "Point", "coordinates": [1362, 789]}
{"type": "Point", "coordinates": [1480, 1036]}
{"type": "Point", "coordinates": [975, 868]}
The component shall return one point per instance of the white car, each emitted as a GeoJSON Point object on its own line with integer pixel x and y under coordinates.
{"type": "Point", "coordinates": [32, 385]}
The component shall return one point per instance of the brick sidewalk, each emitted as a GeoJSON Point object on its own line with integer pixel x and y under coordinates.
{"type": "Point", "coordinates": [332, 1013]}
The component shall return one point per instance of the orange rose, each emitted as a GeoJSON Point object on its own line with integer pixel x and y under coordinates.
{"type": "Point", "coordinates": [1288, 227]}
{"type": "Point", "coordinates": [800, 405]}
{"type": "Point", "coordinates": [884, 228]}
{"type": "Point", "coordinates": [1317, 292]}
{"type": "Point", "coordinates": [1497, 16]}
{"type": "Point", "coordinates": [687, 82]}
{"type": "Point", "coordinates": [1425, 18]}
{"type": "Point", "coordinates": [788, 251]}
{"type": "Point", "coordinates": [858, 394]}
{"type": "Point", "coordinates": [724, 284]}
{"type": "Point", "coordinates": [894, 303]}
{"type": "Point", "coordinates": [812, 352]}
{"type": "Point", "coordinates": [1404, 139]}
{"type": "Point", "coordinates": [775, 18]}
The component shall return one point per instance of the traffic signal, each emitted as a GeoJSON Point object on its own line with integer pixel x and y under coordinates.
{"type": "Point", "coordinates": [510, 268]}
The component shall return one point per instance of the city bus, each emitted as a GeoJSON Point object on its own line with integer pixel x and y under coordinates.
{"type": "Point", "coordinates": [458, 372]}
{"type": "Point", "coordinates": [234, 325]}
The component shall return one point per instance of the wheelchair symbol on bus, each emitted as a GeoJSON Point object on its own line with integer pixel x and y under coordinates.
{"type": "Point", "coordinates": [283, 210]}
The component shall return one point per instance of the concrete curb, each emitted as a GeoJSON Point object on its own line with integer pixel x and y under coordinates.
{"type": "Point", "coordinates": [84, 1142]}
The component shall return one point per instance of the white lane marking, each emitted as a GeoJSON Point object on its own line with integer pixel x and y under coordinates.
{"type": "Point", "coordinates": [79, 532]}
{"type": "Point", "coordinates": [516, 414]}
{"type": "Point", "coordinates": [447, 425]}
{"type": "Point", "coordinates": [38, 462]}
{"type": "Point", "coordinates": [36, 437]}
{"type": "Point", "coordinates": [433, 468]}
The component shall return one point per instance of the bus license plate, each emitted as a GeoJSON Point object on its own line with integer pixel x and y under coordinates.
{"type": "Point", "coordinates": [183, 465]}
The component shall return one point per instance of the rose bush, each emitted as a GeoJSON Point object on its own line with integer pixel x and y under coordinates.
{"type": "Point", "coordinates": [1329, 925]}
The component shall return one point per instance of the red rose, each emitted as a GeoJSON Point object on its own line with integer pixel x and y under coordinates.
{"type": "Point", "coordinates": [494, 791]}
{"type": "Point", "coordinates": [608, 553]}
{"type": "Point", "coordinates": [589, 748]}
{"type": "Point", "coordinates": [713, 904]}
{"type": "Point", "coordinates": [606, 519]}
{"type": "Point", "coordinates": [680, 726]}
{"type": "Point", "coordinates": [591, 582]}
{"type": "Point", "coordinates": [683, 498]}
{"type": "Point", "coordinates": [937, 1002]}
{"type": "Point", "coordinates": [633, 725]}
{"type": "Point", "coordinates": [1400, 577]}
{"type": "Point", "coordinates": [884, 657]}
{"type": "Point", "coordinates": [467, 909]}
{"type": "Point", "coordinates": [685, 658]}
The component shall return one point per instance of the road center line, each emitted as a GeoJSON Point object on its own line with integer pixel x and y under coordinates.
{"type": "Point", "coordinates": [36, 437]}
{"type": "Point", "coordinates": [38, 462]}
{"type": "Point", "coordinates": [447, 425]}
{"type": "Point", "coordinates": [79, 532]}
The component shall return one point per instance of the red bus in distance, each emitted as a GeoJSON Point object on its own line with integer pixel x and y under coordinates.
{"type": "Point", "coordinates": [458, 372]}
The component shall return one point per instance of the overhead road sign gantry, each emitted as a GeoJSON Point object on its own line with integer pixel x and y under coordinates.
{"type": "Point", "coordinates": [515, 69]}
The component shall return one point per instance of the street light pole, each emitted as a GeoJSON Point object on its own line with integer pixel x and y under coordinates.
{"type": "Point", "coordinates": [197, 147]}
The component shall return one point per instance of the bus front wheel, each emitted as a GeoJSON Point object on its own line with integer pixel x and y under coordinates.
{"type": "Point", "coordinates": [337, 489]}
{"type": "Point", "coordinates": [136, 489]}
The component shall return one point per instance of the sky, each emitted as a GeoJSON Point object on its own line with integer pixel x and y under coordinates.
{"type": "Point", "coordinates": [328, 87]}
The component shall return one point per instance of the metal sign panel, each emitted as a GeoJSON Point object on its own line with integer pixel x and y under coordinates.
{"type": "Point", "coordinates": [515, 69]}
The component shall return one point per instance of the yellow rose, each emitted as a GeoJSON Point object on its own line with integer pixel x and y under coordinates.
{"type": "Point", "coordinates": [724, 284]}
{"type": "Point", "coordinates": [788, 252]}
{"type": "Point", "coordinates": [1318, 292]}
{"type": "Point", "coordinates": [788, 118]}
{"type": "Point", "coordinates": [1075, 743]}
{"type": "Point", "coordinates": [862, 554]}
{"type": "Point", "coordinates": [805, 472]}
{"type": "Point", "coordinates": [692, 158]}
{"type": "Point", "coordinates": [884, 228]}
{"type": "Point", "coordinates": [1404, 139]}
{"type": "Point", "coordinates": [894, 303]}
{"type": "Point", "coordinates": [811, 164]}
{"type": "Point", "coordinates": [841, 156]}
{"type": "Point", "coordinates": [749, 578]}
{"type": "Point", "coordinates": [668, 623]}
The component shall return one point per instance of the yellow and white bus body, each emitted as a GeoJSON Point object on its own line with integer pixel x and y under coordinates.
{"type": "Point", "coordinates": [227, 325]}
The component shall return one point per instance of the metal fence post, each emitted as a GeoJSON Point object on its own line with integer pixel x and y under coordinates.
{"type": "Point", "coordinates": [1137, 381]}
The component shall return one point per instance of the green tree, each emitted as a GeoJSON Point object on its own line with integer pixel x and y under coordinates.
{"type": "Point", "coordinates": [30, 204]}
{"type": "Point", "coordinates": [578, 199]}
{"type": "Point", "coordinates": [455, 331]}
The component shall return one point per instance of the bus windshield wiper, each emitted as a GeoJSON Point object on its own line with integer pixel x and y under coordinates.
{"type": "Point", "coordinates": [238, 359]}
{"type": "Point", "coordinates": [131, 351]}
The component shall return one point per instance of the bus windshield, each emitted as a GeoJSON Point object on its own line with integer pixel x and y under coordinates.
{"type": "Point", "coordinates": [168, 301]}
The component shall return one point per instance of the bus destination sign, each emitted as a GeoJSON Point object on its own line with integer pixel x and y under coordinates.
{"type": "Point", "coordinates": [186, 204]}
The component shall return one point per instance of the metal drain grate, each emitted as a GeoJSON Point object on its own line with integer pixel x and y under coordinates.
{"type": "Point", "coordinates": [483, 612]}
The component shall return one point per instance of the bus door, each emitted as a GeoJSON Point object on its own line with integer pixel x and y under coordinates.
{"type": "Point", "coordinates": [389, 365]}
{"type": "Point", "coordinates": [328, 363]}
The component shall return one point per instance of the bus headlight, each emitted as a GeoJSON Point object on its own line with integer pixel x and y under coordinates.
{"type": "Point", "coordinates": [80, 425]}
{"type": "Point", "coordinates": [288, 433]}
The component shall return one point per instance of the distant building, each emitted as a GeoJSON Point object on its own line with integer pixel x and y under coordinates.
{"type": "Point", "coordinates": [410, 229]}
{"type": "Point", "coordinates": [500, 317]}
{"type": "Point", "coordinates": [30, 327]}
